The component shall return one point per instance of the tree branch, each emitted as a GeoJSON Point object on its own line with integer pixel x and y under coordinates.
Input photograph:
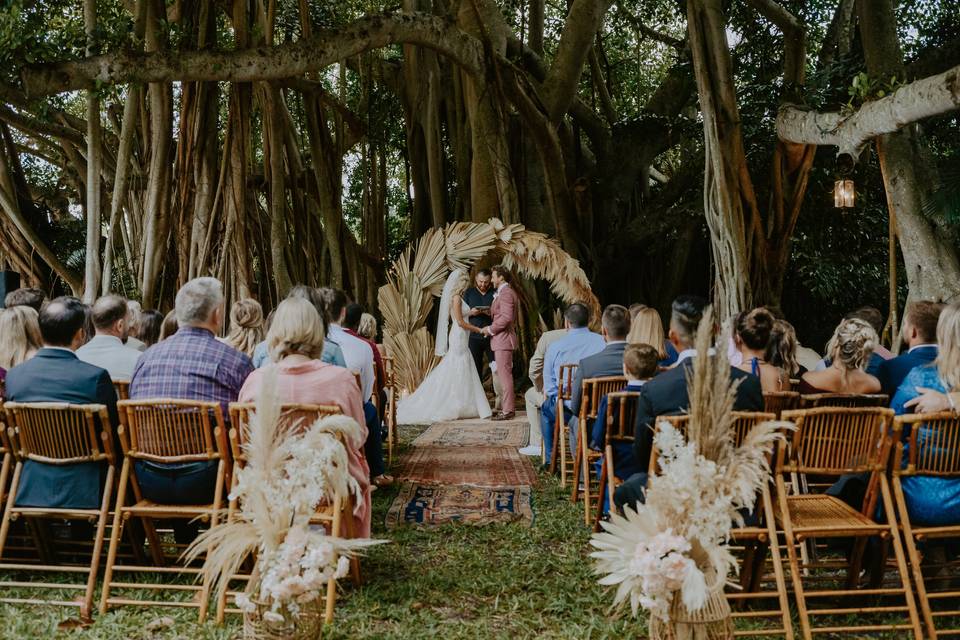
{"type": "Point", "coordinates": [653, 34]}
{"type": "Point", "coordinates": [920, 99]}
{"type": "Point", "coordinates": [794, 39]}
{"type": "Point", "coordinates": [261, 63]}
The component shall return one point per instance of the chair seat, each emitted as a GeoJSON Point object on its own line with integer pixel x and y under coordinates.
{"type": "Point", "coordinates": [154, 509]}
{"type": "Point", "coordinates": [827, 516]}
{"type": "Point", "coordinates": [948, 531]}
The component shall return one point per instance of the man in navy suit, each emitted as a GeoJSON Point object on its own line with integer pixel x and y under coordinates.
{"type": "Point", "coordinates": [55, 374]}
{"type": "Point", "coordinates": [920, 335]}
{"type": "Point", "coordinates": [667, 393]}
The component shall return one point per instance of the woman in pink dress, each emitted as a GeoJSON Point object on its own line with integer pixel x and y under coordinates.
{"type": "Point", "coordinates": [295, 341]}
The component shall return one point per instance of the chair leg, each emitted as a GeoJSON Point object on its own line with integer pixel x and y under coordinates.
{"type": "Point", "coordinates": [601, 491]}
{"type": "Point", "coordinates": [86, 612]}
{"type": "Point", "coordinates": [8, 510]}
{"type": "Point", "coordinates": [777, 561]}
{"type": "Point", "coordinates": [795, 574]}
{"type": "Point", "coordinates": [900, 557]}
{"type": "Point", "coordinates": [915, 560]}
{"type": "Point", "coordinates": [575, 481]}
{"type": "Point", "coordinates": [115, 535]}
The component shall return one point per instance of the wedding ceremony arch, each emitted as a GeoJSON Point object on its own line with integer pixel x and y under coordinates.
{"type": "Point", "coordinates": [417, 276]}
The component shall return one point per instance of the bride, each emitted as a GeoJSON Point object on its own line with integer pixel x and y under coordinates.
{"type": "Point", "coordinates": [453, 390]}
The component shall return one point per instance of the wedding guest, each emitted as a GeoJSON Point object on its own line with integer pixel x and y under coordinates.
{"type": "Point", "coordinates": [55, 374]}
{"type": "Point", "coordinates": [534, 397]}
{"type": "Point", "coordinates": [782, 349]}
{"type": "Point", "coordinates": [577, 344]}
{"type": "Point", "coordinates": [368, 327]}
{"type": "Point", "coordinates": [646, 327]}
{"type": "Point", "coordinates": [351, 325]}
{"type": "Point", "coordinates": [169, 326]}
{"type": "Point", "coordinates": [874, 318]}
{"type": "Point", "coordinates": [849, 351]}
{"type": "Point", "coordinates": [134, 318]}
{"type": "Point", "coordinates": [107, 349]}
{"type": "Point", "coordinates": [19, 337]}
{"type": "Point", "coordinates": [296, 342]}
{"type": "Point", "coordinates": [806, 358]}
{"type": "Point", "coordinates": [332, 353]}
{"type": "Point", "coordinates": [151, 321]}
{"type": "Point", "coordinates": [636, 308]}
{"type": "Point", "coordinates": [246, 326]}
{"type": "Point", "coordinates": [27, 297]}
{"type": "Point", "coordinates": [920, 335]}
{"type": "Point", "coordinates": [752, 331]}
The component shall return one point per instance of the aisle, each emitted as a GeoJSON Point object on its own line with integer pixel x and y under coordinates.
{"type": "Point", "coordinates": [468, 471]}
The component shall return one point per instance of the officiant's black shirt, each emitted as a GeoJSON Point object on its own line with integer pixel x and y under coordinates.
{"type": "Point", "coordinates": [474, 298]}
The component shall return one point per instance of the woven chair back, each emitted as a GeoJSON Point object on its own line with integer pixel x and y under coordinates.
{"type": "Point", "coordinates": [776, 402]}
{"type": "Point", "coordinates": [811, 401]}
{"type": "Point", "coordinates": [743, 422]}
{"type": "Point", "coordinates": [565, 381]}
{"type": "Point", "coordinates": [294, 416]}
{"type": "Point", "coordinates": [171, 431]}
{"type": "Point", "coordinates": [933, 446]}
{"type": "Point", "coordinates": [836, 440]}
{"type": "Point", "coordinates": [594, 389]}
{"type": "Point", "coordinates": [622, 416]}
{"type": "Point", "coordinates": [60, 433]}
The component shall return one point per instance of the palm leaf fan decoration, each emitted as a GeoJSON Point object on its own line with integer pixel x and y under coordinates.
{"type": "Point", "coordinates": [430, 262]}
{"type": "Point", "coordinates": [467, 243]}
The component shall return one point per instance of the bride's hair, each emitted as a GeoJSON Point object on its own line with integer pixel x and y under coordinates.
{"type": "Point", "coordinates": [461, 285]}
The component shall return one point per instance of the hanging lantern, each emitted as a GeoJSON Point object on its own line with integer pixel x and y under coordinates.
{"type": "Point", "coordinates": [844, 194]}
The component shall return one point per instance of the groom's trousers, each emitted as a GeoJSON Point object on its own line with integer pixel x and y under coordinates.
{"type": "Point", "coordinates": [504, 360]}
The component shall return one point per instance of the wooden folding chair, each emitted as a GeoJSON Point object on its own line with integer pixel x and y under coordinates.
{"type": "Point", "coordinates": [564, 392]}
{"type": "Point", "coordinates": [932, 449]}
{"type": "Point", "coordinates": [776, 402]}
{"type": "Point", "coordinates": [812, 400]}
{"type": "Point", "coordinates": [593, 390]}
{"type": "Point", "coordinates": [621, 421]}
{"type": "Point", "coordinates": [336, 517]}
{"type": "Point", "coordinates": [390, 414]}
{"type": "Point", "coordinates": [123, 389]}
{"type": "Point", "coordinates": [59, 434]}
{"type": "Point", "coordinates": [165, 431]}
{"type": "Point", "coordinates": [842, 441]}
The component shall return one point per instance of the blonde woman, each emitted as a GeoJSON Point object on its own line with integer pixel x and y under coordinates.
{"type": "Point", "coordinates": [246, 326]}
{"type": "Point", "coordinates": [849, 351]}
{"type": "Point", "coordinates": [295, 342]}
{"type": "Point", "coordinates": [19, 337]}
{"type": "Point", "coordinates": [647, 328]}
{"type": "Point", "coordinates": [782, 350]}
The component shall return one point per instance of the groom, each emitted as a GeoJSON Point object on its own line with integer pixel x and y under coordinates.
{"type": "Point", "coordinates": [503, 338]}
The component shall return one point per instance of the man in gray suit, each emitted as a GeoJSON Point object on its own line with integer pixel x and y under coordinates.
{"type": "Point", "coordinates": [107, 349]}
{"type": "Point", "coordinates": [615, 324]}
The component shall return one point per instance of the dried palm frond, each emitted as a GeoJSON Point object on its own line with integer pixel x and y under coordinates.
{"type": "Point", "coordinates": [413, 355]}
{"type": "Point", "coordinates": [430, 261]}
{"type": "Point", "coordinates": [467, 242]}
{"type": "Point", "coordinates": [712, 395]}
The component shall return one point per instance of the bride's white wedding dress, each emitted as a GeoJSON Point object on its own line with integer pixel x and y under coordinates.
{"type": "Point", "coordinates": [452, 391]}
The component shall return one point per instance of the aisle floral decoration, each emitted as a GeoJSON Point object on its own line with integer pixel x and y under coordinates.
{"type": "Point", "coordinates": [291, 468]}
{"type": "Point", "coordinates": [671, 555]}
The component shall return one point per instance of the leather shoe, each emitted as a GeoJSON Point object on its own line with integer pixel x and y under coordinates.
{"type": "Point", "coordinates": [500, 417]}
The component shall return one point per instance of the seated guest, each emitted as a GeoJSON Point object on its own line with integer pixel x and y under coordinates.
{"type": "Point", "coordinates": [134, 318]}
{"type": "Point", "coordinates": [190, 365]}
{"type": "Point", "coordinates": [782, 349]}
{"type": "Point", "coordinates": [19, 337]}
{"type": "Point", "coordinates": [246, 326]}
{"type": "Point", "coordinates": [646, 327]}
{"type": "Point", "coordinates": [667, 393]}
{"type": "Point", "coordinates": [351, 325]}
{"type": "Point", "coordinates": [751, 335]}
{"type": "Point", "coordinates": [26, 297]}
{"type": "Point", "coordinates": [55, 374]}
{"type": "Point", "coordinates": [577, 344]}
{"type": "Point", "coordinates": [875, 319]}
{"type": "Point", "coordinates": [107, 349]}
{"type": "Point", "coordinates": [615, 325]}
{"type": "Point", "coordinates": [920, 335]}
{"type": "Point", "coordinates": [332, 354]}
{"type": "Point", "coordinates": [150, 323]}
{"type": "Point", "coordinates": [169, 326]}
{"type": "Point", "coordinates": [296, 340]}
{"type": "Point", "coordinates": [534, 397]}
{"type": "Point", "coordinates": [849, 351]}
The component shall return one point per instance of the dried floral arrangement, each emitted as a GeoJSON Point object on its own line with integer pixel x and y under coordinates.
{"type": "Point", "coordinates": [418, 276]}
{"type": "Point", "coordinates": [291, 468]}
{"type": "Point", "coordinates": [671, 555]}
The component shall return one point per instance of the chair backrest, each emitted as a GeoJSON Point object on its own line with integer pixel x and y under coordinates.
{"type": "Point", "coordinates": [170, 431]}
{"type": "Point", "coordinates": [565, 381]}
{"type": "Point", "coordinates": [622, 416]}
{"type": "Point", "coordinates": [60, 433]}
{"type": "Point", "coordinates": [933, 445]}
{"type": "Point", "coordinates": [810, 401]}
{"type": "Point", "coordinates": [289, 413]}
{"type": "Point", "coordinates": [743, 422]}
{"type": "Point", "coordinates": [123, 389]}
{"type": "Point", "coordinates": [836, 440]}
{"type": "Point", "coordinates": [594, 389]}
{"type": "Point", "coordinates": [776, 402]}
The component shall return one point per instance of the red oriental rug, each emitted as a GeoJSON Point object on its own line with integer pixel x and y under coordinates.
{"type": "Point", "coordinates": [483, 466]}
{"type": "Point", "coordinates": [475, 433]}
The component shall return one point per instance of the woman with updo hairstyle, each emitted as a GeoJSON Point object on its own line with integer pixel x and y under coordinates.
{"type": "Point", "coordinates": [295, 342]}
{"type": "Point", "coordinates": [751, 336]}
{"type": "Point", "coordinates": [19, 337]}
{"type": "Point", "coordinates": [849, 351]}
{"type": "Point", "coordinates": [782, 350]}
{"type": "Point", "coordinates": [246, 326]}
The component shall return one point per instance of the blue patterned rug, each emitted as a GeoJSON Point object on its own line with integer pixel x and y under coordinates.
{"type": "Point", "coordinates": [431, 505]}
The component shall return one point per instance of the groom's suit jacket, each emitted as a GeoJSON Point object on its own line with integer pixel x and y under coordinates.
{"type": "Point", "coordinates": [504, 313]}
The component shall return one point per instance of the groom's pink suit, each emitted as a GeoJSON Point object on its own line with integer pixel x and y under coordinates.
{"type": "Point", "coordinates": [504, 342]}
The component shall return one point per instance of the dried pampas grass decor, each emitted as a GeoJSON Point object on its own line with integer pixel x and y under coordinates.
{"type": "Point", "coordinates": [418, 276]}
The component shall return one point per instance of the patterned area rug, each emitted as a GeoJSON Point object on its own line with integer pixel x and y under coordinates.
{"type": "Point", "coordinates": [475, 433]}
{"type": "Point", "coordinates": [484, 466]}
{"type": "Point", "coordinates": [432, 505]}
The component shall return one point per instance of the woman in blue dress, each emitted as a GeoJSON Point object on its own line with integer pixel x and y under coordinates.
{"type": "Point", "coordinates": [931, 500]}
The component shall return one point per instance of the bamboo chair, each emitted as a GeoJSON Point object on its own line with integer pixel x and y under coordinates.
{"type": "Point", "coordinates": [934, 450]}
{"type": "Point", "coordinates": [621, 425]}
{"type": "Point", "coordinates": [593, 390]}
{"type": "Point", "coordinates": [813, 400]}
{"type": "Point", "coordinates": [337, 518]}
{"type": "Point", "coordinates": [165, 431]}
{"type": "Point", "coordinates": [776, 402]}
{"type": "Point", "coordinates": [123, 389]}
{"type": "Point", "coordinates": [564, 392]}
{"type": "Point", "coordinates": [390, 414]}
{"type": "Point", "coordinates": [835, 441]}
{"type": "Point", "coordinates": [754, 541]}
{"type": "Point", "coordinates": [59, 434]}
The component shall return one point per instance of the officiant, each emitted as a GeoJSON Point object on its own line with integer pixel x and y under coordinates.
{"type": "Point", "coordinates": [479, 298]}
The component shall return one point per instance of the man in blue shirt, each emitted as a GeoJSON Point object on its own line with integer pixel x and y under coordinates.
{"type": "Point", "coordinates": [579, 343]}
{"type": "Point", "coordinates": [920, 335]}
